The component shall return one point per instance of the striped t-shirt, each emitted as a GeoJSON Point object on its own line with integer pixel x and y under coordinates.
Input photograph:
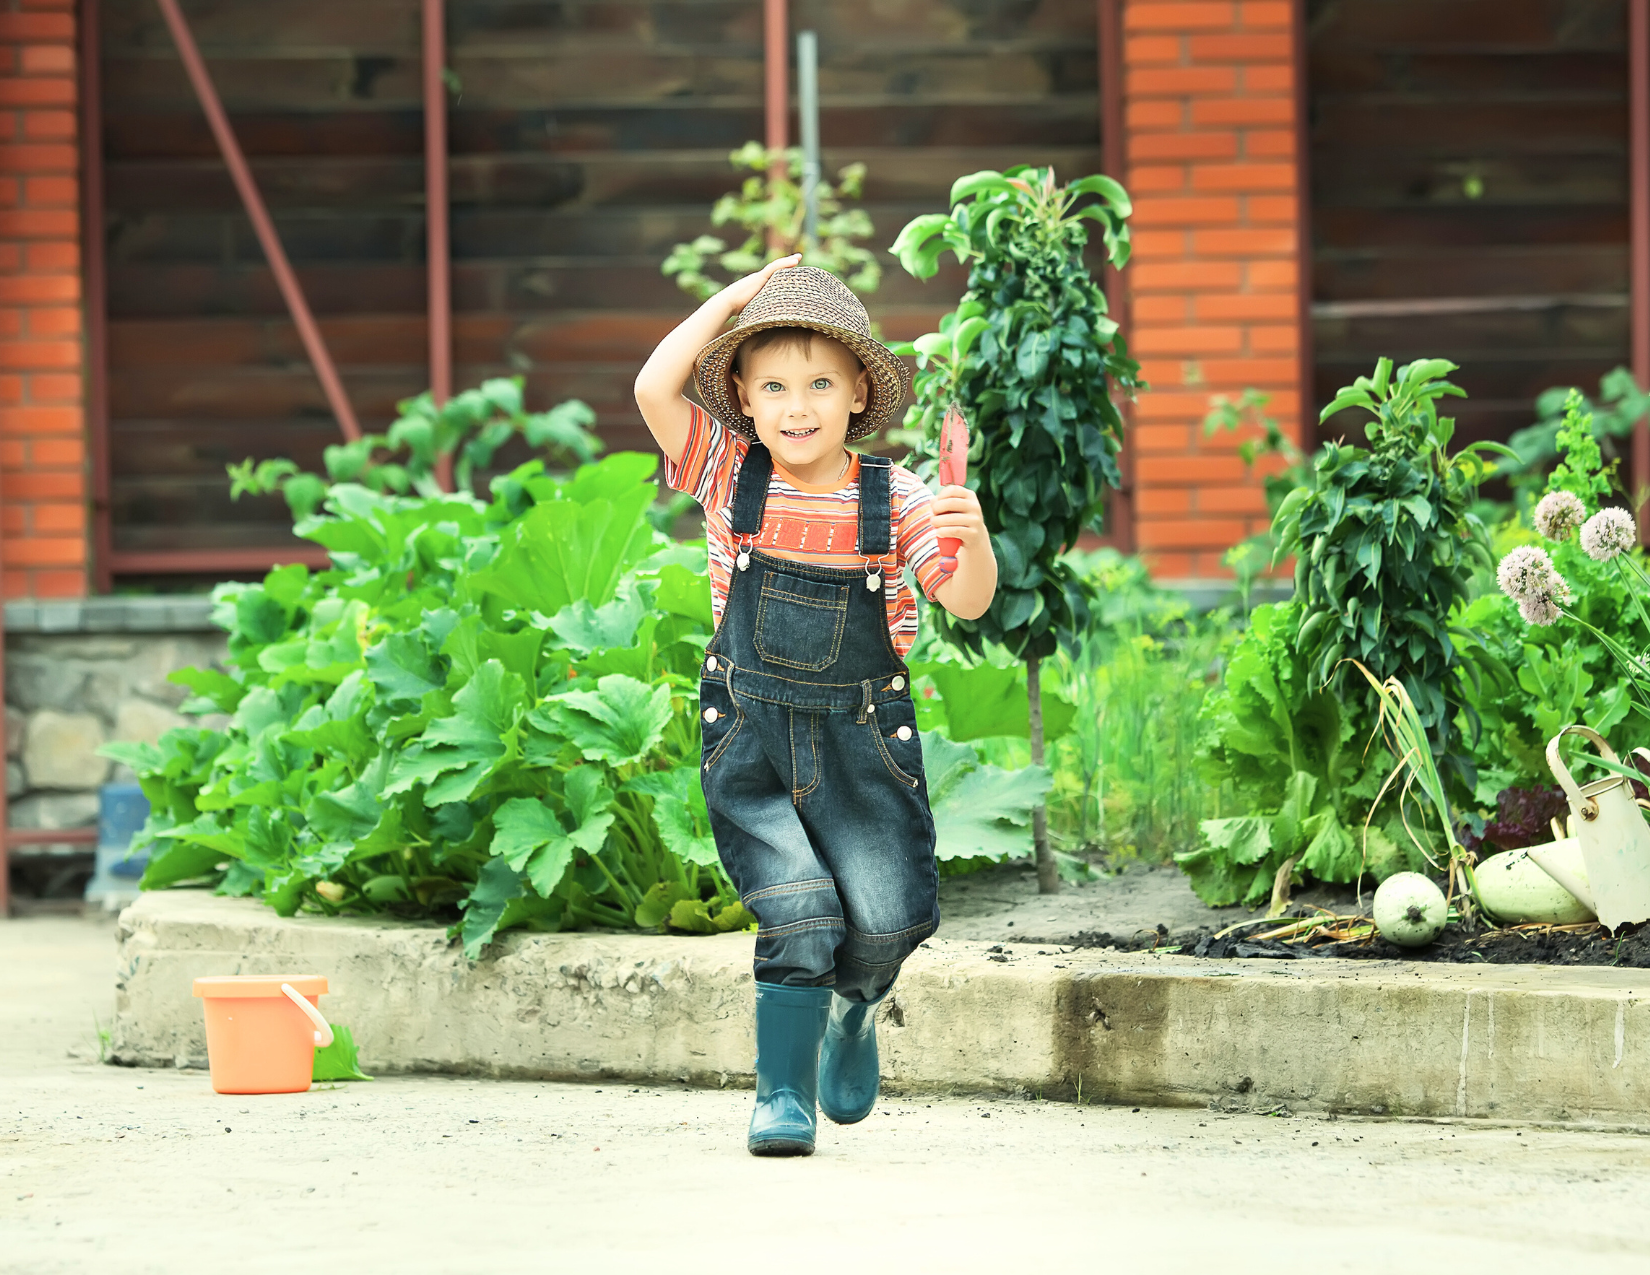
{"type": "Point", "coordinates": [806, 523]}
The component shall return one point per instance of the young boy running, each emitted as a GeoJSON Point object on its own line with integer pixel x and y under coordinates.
{"type": "Point", "coordinates": [811, 763]}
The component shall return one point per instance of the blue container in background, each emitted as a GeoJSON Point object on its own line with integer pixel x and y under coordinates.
{"type": "Point", "coordinates": [122, 808]}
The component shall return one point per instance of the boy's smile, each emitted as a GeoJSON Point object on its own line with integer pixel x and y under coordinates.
{"type": "Point", "coordinates": [800, 399]}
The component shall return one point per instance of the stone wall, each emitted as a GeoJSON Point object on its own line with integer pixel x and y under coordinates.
{"type": "Point", "coordinates": [79, 675]}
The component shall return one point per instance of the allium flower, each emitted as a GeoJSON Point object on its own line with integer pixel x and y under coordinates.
{"type": "Point", "coordinates": [1607, 533]}
{"type": "Point", "coordinates": [1538, 608]}
{"type": "Point", "coordinates": [1527, 572]}
{"type": "Point", "coordinates": [1558, 514]}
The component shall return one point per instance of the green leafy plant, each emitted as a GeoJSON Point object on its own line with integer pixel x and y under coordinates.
{"type": "Point", "coordinates": [484, 707]}
{"type": "Point", "coordinates": [417, 450]}
{"type": "Point", "coordinates": [1126, 782]}
{"type": "Point", "coordinates": [1385, 543]}
{"type": "Point", "coordinates": [1282, 749]}
{"type": "Point", "coordinates": [769, 207]}
{"type": "Point", "coordinates": [1620, 404]}
{"type": "Point", "coordinates": [1032, 357]}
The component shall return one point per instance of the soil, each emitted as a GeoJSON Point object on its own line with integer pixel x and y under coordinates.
{"type": "Point", "coordinates": [1149, 907]}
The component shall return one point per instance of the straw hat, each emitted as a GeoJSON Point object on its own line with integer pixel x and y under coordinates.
{"type": "Point", "coordinates": [803, 297]}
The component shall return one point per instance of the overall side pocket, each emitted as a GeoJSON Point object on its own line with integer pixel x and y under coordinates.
{"type": "Point", "coordinates": [894, 725]}
{"type": "Point", "coordinates": [719, 720]}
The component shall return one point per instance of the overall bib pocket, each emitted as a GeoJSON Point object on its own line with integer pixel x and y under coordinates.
{"type": "Point", "coordinates": [799, 622]}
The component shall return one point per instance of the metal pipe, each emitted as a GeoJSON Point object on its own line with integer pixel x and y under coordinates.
{"type": "Point", "coordinates": [437, 240]}
{"type": "Point", "coordinates": [807, 102]}
{"type": "Point", "coordinates": [94, 289]}
{"type": "Point", "coordinates": [776, 96]}
{"type": "Point", "coordinates": [1638, 176]}
{"type": "Point", "coordinates": [1307, 371]}
{"type": "Point", "coordinates": [1114, 162]}
{"type": "Point", "coordinates": [259, 216]}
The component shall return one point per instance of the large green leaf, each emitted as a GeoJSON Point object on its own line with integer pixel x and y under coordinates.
{"type": "Point", "coordinates": [562, 551]}
{"type": "Point", "coordinates": [989, 700]}
{"type": "Point", "coordinates": [457, 753]}
{"type": "Point", "coordinates": [619, 722]}
{"type": "Point", "coordinates": [538, 840]}
{"type": "Point", "coordinates": [496, 885]}
{"type": "Point", "coordinates": [981, 809]}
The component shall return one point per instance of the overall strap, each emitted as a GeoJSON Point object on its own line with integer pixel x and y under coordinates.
{"type": "Point", "coordinates": [876, 510]}
{"type": "Point", "coordinates": [750, 491]}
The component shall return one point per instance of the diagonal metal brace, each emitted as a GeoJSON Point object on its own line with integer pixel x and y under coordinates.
{"type": "Point", "coordinates": [291, 292]}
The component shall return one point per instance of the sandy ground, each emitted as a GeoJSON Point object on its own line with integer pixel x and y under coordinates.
{"type": "Point", "coordinates": [109, 1169]}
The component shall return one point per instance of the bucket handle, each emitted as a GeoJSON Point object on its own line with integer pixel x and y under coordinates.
{"type": "Point", "coordinates": [1586, 807]}
{"type": "Point", "coordinates": [323, 1029]}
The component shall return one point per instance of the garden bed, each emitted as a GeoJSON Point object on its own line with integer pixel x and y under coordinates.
{"type": "Point", "coordinates": [1147, 908]}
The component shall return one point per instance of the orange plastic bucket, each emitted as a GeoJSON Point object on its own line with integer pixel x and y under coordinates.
{"type": "Point", "coordinates": [262, 1030]}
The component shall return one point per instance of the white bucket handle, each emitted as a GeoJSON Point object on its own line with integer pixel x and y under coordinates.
{"type": "Point", "coordinates": [323, 1029]}
{"type": "Point", "coordinates": [1586, 807]}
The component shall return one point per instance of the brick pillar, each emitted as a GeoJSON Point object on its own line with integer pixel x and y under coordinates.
{"type": "Point", "coordinates": [43, 487]}
{"type": "Point", "coordinates": [1210, 133]}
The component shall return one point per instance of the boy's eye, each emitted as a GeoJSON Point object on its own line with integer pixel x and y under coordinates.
{"type": "Point", "coordinates": [823, 383]}
{"type": "Point", "coordinates": [773, 386]}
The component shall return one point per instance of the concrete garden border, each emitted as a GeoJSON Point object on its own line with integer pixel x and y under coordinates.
{"type": "Point", "coordinates": [1381, 1038]}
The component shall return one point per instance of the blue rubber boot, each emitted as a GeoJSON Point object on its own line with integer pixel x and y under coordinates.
{"type": "Point", "coordinates": [789, 1024]}
{"type": "Point", "coordinates": [849, 1070]}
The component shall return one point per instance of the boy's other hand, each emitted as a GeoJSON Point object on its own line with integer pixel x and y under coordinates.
{"type": "Point", "coordinates": [957, 514]}
{"type": "Point", "coordinates": [740, 293]}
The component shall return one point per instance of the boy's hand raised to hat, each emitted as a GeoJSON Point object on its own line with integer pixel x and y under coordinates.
{"type": "Point", "coordinates": [741, 292]}
{"type": "Point", "coordinates": [660, 383]}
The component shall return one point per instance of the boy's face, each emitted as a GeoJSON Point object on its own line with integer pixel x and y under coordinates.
{"type": "Point", "coordinates": [800, 401]}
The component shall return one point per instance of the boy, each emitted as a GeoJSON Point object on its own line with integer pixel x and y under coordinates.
{"type": "Point", "coordinates": [811, 764]}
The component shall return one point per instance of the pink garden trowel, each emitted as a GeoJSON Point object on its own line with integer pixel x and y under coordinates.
{"type": "Point", "coordinates": [953, 473]}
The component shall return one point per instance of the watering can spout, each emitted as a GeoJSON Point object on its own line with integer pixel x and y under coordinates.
{"type": "Point", "coordinates": [1542, 858]}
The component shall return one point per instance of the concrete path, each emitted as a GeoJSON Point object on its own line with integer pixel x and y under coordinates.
{"type": "Point", "coordinates": [113, 1169]}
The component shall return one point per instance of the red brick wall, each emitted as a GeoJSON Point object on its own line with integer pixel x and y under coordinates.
{"type": "Point", "coordinates": [43, 486]}
{"type": "Point", "coordinates": [1210, 145]}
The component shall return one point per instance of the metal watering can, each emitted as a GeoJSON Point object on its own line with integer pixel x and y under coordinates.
{"type": "Point", "coordinates": [1615, 840]}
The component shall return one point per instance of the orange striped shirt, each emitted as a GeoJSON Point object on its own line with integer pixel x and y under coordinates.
{"type": "Point", "coordinates": [807, 523]}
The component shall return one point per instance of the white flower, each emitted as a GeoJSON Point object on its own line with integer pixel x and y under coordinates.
{"type": "Point", "coordinates": [1558, 514]}
{"type": "Point", "coordinates": [1607, 533]}
{"type": "Point", "coordinates": [1527, 572]}
{"type": "Point", "coordinates": [1538, 608]}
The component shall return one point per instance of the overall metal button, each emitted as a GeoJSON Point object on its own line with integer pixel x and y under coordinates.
{"type": "Point", "coordinates": [873, 582]}
{"type": "Point", "coordinates": [710, 663]}
{"type": "Point", "coordinates": [904, 732]}
{"type": "Point", "coordinates": [711, 714]}
{"type": "Point", "coordinates": [898, 683]}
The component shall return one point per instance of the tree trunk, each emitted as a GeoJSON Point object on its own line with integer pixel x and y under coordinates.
{"type": "Point", "coordinates": [1048, 877]}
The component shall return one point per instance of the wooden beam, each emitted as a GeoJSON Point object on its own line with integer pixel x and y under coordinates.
{"type": "Point", "coordinates": [1114, 163]}
{"type": "Point", "coordinates": [94, 288]}
{"type": "Point", "coordinates": [1307, 416]}
{"type": "Point", "coordinates": [776, 89]}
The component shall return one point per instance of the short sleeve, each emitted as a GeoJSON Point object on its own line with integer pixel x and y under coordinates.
{"type": "Point", "coordinates": [919, 547]}
{"type": "Point", "coordinates": [709, 461]}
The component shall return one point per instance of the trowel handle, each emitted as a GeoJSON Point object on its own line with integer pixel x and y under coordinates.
{"type": "Point", "coordinates": [323, 1029]}
{"type": "Point", "coordinates": [953, 473]}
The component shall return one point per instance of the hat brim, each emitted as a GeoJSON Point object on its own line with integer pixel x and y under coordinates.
{"type": "Point", "coordinates": [890, 379]}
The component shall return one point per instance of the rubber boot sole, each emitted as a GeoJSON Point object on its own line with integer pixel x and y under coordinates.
{"type": "Point", "coordinates": [780, 1147]}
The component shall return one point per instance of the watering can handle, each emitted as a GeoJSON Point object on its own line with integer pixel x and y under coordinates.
{"type": "Point", "coordinates": [1586, 807]}
{"type": "Point", "coordinates": [323, 1029]}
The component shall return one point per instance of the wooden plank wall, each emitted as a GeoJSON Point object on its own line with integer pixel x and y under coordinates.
{"type": "Point", "coordinates": [1413, 103]}
{"type": "Point", "coordinates": [587, 138]}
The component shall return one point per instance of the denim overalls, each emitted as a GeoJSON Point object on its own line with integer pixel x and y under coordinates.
{"type": "Point", "coordinates": [812, 767]}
